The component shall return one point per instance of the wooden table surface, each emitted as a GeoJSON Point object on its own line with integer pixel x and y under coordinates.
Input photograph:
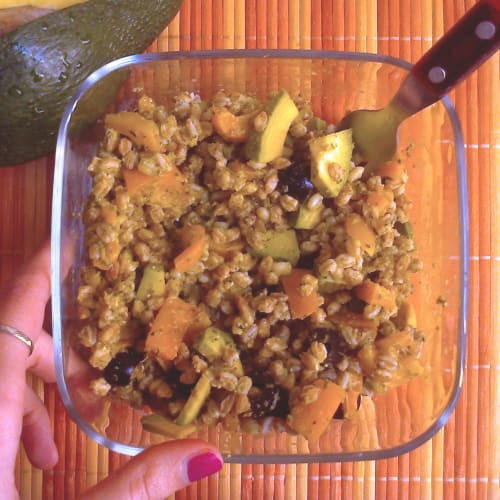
{"type": "Point", "coordinates": [463, 459]}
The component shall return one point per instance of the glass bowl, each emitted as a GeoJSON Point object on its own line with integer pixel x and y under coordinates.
{"type": "Point", "coordinates": [335, 82]}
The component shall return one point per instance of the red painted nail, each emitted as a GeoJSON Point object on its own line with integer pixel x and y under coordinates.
{"type": "Point", "coordinates": [203, 465]}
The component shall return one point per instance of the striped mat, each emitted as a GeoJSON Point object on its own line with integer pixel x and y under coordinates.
{"type": "Point", "coordinates": [460, 461]}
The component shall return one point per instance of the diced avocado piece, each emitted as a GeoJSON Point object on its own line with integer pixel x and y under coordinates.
{"type": "Point", "coordinates": [280, 245]}
{"type": "Point", "coordinates": [196, 400]}
{"type": "Point", "coordinates": [405, 229]}
{"type": "Point", "coordinates": [331, 161]}
{"type": "Point", "coordinates": [159, 424]}
{"type": "Point", "coordinates": [267, 145]}
{"type": "Point", "coordinates": [316, 124]}
{"type": "Point", "coordinates": [152, 283]}
{"type": "Point", "coordinates": [308, 218]}
{"type": "Point", "coordinates": [211, 344]}
{"type": "Point", "coordinates": [326, 284]}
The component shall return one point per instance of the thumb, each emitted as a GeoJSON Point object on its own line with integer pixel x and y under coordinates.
{"type": "Point", "coordinates": [159, 471]}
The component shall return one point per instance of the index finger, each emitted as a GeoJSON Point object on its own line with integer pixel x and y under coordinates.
{"type": "Point", "coordinates": [22, 306]}
{"type": "Point", "coordinates": [23, 298]}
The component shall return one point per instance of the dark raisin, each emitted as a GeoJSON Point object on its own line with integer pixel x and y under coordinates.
{"type": "Point", "coordinates": [339, 413]}
{"type": "Point", "coordinates": [336, 349]}
{"type": "Point", "coordinates": [262, 380]}
{"type": "Point", "coordinates": [374, 275]}
{"type": "Point", "coordinates": [295, 181]}
{"type": "Point", "coordinates": [269, 401]}
{"type": "Point", "coordinates": [259, 288]}
{"type": "Point", "coordinates": [120, 368]}
{"type": "Point", "coordinates": [298, 327]}
{"type": "Point", "coordinates": [321, 335]}
{"type": "Point", "coordinates": [307, 261]}
{"type": "Point", "coordinates": [356, 305]}
{"type": "Point", "coordinates": [172, 377]}
{"type": "Point", "coordinates": [336, 346]}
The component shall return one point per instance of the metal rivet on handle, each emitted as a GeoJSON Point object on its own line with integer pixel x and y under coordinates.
{"type": "Point", "coordinates": [485, 30]}
{"type": "Point", "coordinates": [436, 74]}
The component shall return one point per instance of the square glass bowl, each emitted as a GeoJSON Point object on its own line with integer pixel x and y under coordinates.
{"type": "Point", "coordinates": [386, 425]}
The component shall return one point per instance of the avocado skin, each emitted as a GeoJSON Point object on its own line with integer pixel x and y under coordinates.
{"type": "Point", "coordinates": [43, 63]}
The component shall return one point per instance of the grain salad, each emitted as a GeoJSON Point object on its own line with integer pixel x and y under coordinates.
{"type": "Point", "coordinates": [241, 267]}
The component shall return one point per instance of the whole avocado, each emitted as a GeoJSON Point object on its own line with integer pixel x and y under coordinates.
{"type": "Point", "coordinates": [43, 62]}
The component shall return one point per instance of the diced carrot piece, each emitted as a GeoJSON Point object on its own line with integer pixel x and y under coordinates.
{"type": "Point", "coordinates": [169, 190]}
{"type": "Point", "coordinates": [380, 201]}
{"type": "Point", "coordinates": [358, 229]}
{"type": "Point", "coordinates": [110, 214]}
{"type": "Point", "coordinates": [140, 130]}
{"type": "Point", "coordinates": [136, 181]}
{"type": "Point", "coordinates": [170, 326]}
{"type": "Point", "coordinates": [232, 128]}
{"type": "Point", "coordinates": [311, 420]}
{"type": "Point", "coordinates": [301, 306]}
{"type": "Point", "coordinates": [192, 239]}
{"type": "Point", "coordinates": [350, 404]}
{"type": "Point", "coordinates": [373, 293]}
{"type": "Point", "coordinates": [356, 382]}
{"type": "Point", "coordinates": [187, 235]}
{"type": "Point", "coordinates": [367, 358]}
{"type": "Point", "coordinates": [398, 341]}
{"type": "Point", "coordinates": [392, 169]}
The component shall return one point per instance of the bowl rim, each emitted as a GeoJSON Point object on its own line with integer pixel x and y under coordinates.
{"type": "Point", "coordinates": [56, 236]}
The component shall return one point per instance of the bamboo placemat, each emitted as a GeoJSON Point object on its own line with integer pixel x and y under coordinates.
{"type": "Point", "coordinates": [463, 459]}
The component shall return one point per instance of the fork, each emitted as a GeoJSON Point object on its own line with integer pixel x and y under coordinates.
{"type": "Point", "coordinates": [473, 39]}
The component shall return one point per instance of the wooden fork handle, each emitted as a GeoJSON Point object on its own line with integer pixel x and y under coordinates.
{"type": "Point", "coordinates": [473, 39]}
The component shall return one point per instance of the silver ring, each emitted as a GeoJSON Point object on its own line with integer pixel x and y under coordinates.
{"type": "Point", "coordinates": [19, 336]}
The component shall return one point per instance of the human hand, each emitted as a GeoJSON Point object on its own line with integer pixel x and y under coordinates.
{"type": "Point", "coordinates": [155, 473]}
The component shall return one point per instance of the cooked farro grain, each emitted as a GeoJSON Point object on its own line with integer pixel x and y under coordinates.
{"type": "Point", "coordinates": [204, 241]}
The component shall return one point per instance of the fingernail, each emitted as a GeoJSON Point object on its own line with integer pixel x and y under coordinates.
{"type": "Point", "coordinates": [203, 465]}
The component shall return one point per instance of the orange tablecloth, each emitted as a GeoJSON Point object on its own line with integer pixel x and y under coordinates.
{"type": "Point", "coordinates": [463, 459]}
